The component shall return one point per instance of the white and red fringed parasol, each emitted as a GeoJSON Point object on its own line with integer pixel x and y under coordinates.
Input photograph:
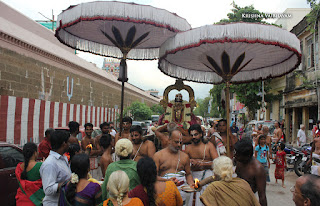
{"type": "Point", "coordinates": [107, 28]}
{"type": "Point", "coordinates": [230, 53]}
{"type": "Point", "coordinates": [120, 30]}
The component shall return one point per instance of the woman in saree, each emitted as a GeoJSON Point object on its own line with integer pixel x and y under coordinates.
{"type": "Point", "coordinates": [30, 190]}
{"type": "Point", "coordinates": [228, 190]}
{"type": "Point", "coordinates": [123, 150]}
{"type": "Point", "coordinates": [151, 191]}
{"type": "Point", "coordinates": [79, 191]}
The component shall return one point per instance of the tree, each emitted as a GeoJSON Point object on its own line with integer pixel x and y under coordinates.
{"type": "Point", "coordinates": [313, 16]}
{"type": "Point", "coordinates": [202, 107]}
{"type": "Point", "coordinates": [157, 109]}
{"type": "Point", "coordinates": [218, 109]}
{"type": "Point", "coordinates": [139, 111]}
{"type": "Point", "coordinates": [246, 93]}
{"type": "Point", "coordinates": [240, 14]}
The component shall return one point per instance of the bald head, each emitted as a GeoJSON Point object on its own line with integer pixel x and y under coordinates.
{"type": "Point", "coordinates": [307, 190]}
{"type": "Point", "coordinates": [175, 141]}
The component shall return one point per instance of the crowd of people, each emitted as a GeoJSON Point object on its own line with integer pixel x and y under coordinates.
{"type": "Point", "coordinates": [138, 172]}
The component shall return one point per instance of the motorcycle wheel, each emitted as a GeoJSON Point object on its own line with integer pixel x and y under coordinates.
{"type": "Point", "coordinates": [298, 168]}
{"type": "Point", "coordinates": [307, 169]}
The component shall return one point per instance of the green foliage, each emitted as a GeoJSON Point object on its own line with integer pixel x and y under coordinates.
{"type": "Point", "coordinates": [247, 95]}
{"type": "Point", "coordinates": [202, 107]}
{"type": "Point", "coordinates": [237, 14]}
{"type": "Point", "coordinates": [157, 109]}
{"type": "Point", "coordinates": [313, 16]}
{"type": "Point", "coordinates": [242, 14]}
{"type": "Point", "coordinates": [139, 111]}
{"type": "Point", "coordinates": [217, 108]}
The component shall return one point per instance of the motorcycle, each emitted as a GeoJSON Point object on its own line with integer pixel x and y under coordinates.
{"type": "Point", "coordinates": [302, 156]}
{"type": "Point", "coordinates": [290, 156]}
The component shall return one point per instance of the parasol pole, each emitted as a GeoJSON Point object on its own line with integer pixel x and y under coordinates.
{"type": "Point", "coordinates": [228, 116]}
{"type": "Point", "coordinates": [121, 108]}
{"type": "Point", "coordinates": [123, 78]}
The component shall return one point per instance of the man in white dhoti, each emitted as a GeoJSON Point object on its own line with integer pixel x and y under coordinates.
{"type": "Point", "coordinates": [201, 154]}
{"type": "Point", "coordinates": [174, 164]}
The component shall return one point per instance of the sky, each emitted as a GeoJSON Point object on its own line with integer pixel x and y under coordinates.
{"type": "Point", "coordinates": [145, 74]}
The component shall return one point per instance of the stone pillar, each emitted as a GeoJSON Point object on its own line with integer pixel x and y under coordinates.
{"type": "Point", "coordinates": [305, 119]}
{"type": "Point", "coordinates": [267, 113]}
{"type": "Point", "coordinates": [295, 125]}
{"type": "Point", "coordinates": [287, 126]}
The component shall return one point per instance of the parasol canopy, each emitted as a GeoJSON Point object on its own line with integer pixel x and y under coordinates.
{"type": "Point", "coordinates": [110, 28]}
{"type": "Point", "coordinates": [119, 30]}
{"type": "Point", "coordinates": [231, 53]}
{"type": "Point", "coordinates": [236, 52]}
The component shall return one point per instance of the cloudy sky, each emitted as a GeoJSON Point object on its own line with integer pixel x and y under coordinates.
{"type": "Point", "coordinates": [145, 74]}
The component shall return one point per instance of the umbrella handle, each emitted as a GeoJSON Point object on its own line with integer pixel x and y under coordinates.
{"type": "Point", "coordinates": [228, 116]}
{"type": "Point", "coordinates": [123, 78]}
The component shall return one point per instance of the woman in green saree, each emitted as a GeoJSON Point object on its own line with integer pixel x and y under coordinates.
{"type": "Point", "coordinates": [30, 190]}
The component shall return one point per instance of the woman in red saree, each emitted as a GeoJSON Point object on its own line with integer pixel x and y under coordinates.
{"type": "Point", "coordinates": [30, 190]}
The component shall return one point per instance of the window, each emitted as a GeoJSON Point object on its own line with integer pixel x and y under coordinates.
{"type": "Point", "coordinates": [310, 52]}
{"type": "Point", "coordinates": [10, 156]}
{"type": "Point", "coordinates": [301, 66]}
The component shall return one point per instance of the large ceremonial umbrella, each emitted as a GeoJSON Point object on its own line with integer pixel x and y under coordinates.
{"type": "Point", "coordinates": [120, 30]}
{"type": "Point", "coordinates": [230, 53]}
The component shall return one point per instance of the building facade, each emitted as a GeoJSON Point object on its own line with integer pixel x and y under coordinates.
{"type": "Point", "coordinates": [300, 94]}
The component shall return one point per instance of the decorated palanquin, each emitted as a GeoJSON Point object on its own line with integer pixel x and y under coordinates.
{"type": "Point", "coordinates": [178, 110]}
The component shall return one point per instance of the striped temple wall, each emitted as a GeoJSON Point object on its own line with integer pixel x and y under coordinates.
{"type": "Point", "coordinates": [24, 119]}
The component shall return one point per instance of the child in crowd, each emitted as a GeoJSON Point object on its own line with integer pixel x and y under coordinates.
{"type": "Point", "coordinates": [262, 154]}
{"type": "Point", "coordinates": [281, 164]}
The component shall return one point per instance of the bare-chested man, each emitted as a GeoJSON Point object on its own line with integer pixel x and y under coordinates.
{"type": "Point", "coordinates": [174, 164]}
{"type": "Point", "coordinates": [277, 133]}
{"type": "Point", "coordinates": [220, 140]}
{"type": "Point", "coordinates": [250, 169]}
{"type": "Point", "coordinates": [106, 158]}
{"type": "Point", "coordinates": [74, 131]}
{"type": "Point", "coordinates": [88, 128]}
{"type": "Point", "coordinates": [256, 132]}
{"type": "Point", "coordinates": [163, 131]}
{"type": "Point", "coordinates": [105, 129]}
{"type": "Point", "coordinates": [315, 156]}
{"type": "Point", "coordinates": [141, 148]}
{"type": "Point", "coordinates": [201, 156]}
{"type": "Point", "coordinates": [126, 125]}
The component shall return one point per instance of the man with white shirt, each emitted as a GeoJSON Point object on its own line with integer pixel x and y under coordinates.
{"type": "Point", "coordinates": [55, 169]}
{"type": "Point", "coordinates": [301, 137]}
{"type": "Point", "coordinates": [113, 132]}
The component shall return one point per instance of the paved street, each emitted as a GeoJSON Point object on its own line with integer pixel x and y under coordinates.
{"type": "Point", "coordinates": [278, 196]}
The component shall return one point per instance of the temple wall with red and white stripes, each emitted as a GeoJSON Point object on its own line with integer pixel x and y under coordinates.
{"type": "Point", "coordinates": [23, 120]}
